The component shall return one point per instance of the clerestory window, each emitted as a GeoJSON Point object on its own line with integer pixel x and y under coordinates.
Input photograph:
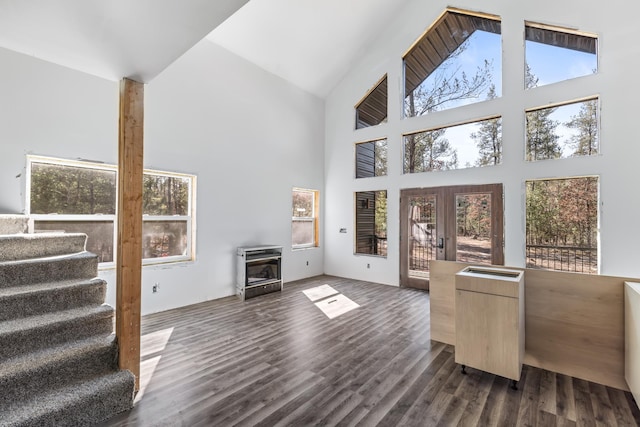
{"type": "Point", "coordinates": [372, 109]}
{"type": "Point", "coordinates": [455, 63]}
{"type": "Point", "coordinates": [554, 54]}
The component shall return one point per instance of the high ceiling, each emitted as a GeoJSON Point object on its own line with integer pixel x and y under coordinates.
{"type": "Point", "coordinates": [309, 43]}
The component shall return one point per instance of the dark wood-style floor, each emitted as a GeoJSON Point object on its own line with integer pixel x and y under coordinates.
{"type": "Point", "coordinates": [278, 360]}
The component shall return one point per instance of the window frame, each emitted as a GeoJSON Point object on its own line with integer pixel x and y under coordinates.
{"type": "Point", "coordinates": [314, 219]}
{"type": "Point", "coordinates": [377, 143]}
{"type": "Point", "coordinates": [532, 27]}
{"type": "Point", "coordinates": [598, 247]}
{"type": "Point", "coordinates": [362, 203]}
{"type": "Point", "coordinates": [189, 255]}
{"type": "Point", "coordinates": [527, 111]}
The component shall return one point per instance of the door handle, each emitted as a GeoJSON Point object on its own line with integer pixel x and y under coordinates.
{"type": "Point", "coordinates": [441, 243]}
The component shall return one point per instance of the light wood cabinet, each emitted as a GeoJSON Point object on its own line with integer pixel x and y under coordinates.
{"type": "Point", "coordinates": [632, 337]}
{"type": "Point", "coordinates": [490, 320]}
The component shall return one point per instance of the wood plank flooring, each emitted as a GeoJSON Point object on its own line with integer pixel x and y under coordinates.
{"type": "Point", "coordinates": [277, 360]}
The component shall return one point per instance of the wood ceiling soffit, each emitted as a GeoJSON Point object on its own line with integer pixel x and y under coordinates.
{"type": "Point", "coordinates": [372, 110]}
{"type": "Point", "coordinates": [444, 38]}
{"type": "Point", "coordinates": [567, 40]}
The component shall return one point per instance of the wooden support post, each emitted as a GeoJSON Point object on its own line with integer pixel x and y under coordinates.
{"type": "Point", "coordinates": [129, 256]}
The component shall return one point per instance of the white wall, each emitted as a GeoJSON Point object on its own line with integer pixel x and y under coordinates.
{"type": "Point", "coordinates": [250, 137]}
{"type": "Point", "coordinates": [615, 83]}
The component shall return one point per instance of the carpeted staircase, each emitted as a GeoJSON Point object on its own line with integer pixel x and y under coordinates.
{"type": "Point", "coordinates": [58, 353]}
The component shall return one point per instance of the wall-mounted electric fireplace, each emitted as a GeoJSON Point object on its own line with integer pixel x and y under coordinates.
{"type": "Point", "coordinates": [259, 270]}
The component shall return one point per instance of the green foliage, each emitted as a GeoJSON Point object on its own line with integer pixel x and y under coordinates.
{"type": "Point", "coordinates": [381, 214]}
{"type": "Point", "coordinates": [165, 195]}
{"type": "Point", "coordinates": [473, 215]}
{"type": "Point", "coordinates": [70, 190]}
{"type": "Point", "coordinates": [380, 157]}
{"type": "Point", "coordinates": [489, 138]}
{"type": "Point", "coordinates": [429, 151]}
{"type": "Point", "coordinates": [585, 143]}
{"type": "Point", "coordinates": [562, 212]}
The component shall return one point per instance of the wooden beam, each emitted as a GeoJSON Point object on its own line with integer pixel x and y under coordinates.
{"type": "Point", "coordinates": [129, 215]}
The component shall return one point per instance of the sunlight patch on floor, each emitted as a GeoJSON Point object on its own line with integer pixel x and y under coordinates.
{"type": "Point", "coordinates": [320, 292]}
{"type": "Point", "coordinates": [150, 345]}
{"type": "Point", "coordinates": [329, 301]}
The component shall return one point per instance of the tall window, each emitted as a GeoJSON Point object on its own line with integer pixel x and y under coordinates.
{"type": "Point", "coordinates": [453, 64]}
{"type": "Point", "coordinates": [555, 54]}
{"type": "Point", "coordinates": [562, 224]}
{"type": "Point", "coordinates": [304, 218]}
{"type": "Point", "coordinates": [371, 158]}
{"type": "Point", "coordinates": [371, 222]}
{"type": "Point", "coordinates": [81, 197]}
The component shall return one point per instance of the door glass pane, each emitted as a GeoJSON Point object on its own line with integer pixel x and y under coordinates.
{"type": "Point", "coordinates": [422, 234]}
{"type": "Point", "coordinates": [473, 228]}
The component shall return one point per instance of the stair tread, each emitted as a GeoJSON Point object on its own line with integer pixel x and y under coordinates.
{"type": "Point", "coordinates": [48, 404]}
{"type": "Point", "coordinates": [47, 286]}
{"type": "Point", "coordinates": [47, 259]}
{"type": "Point", "coordinates": [32, 322]}
{"type": "Point", "coordinates": [30, 245]}
{"type": "Point", "coordinates": [19, 365]}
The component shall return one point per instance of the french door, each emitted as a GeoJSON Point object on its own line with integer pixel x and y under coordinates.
{"type": "Point", "coordinates": [456, 223]}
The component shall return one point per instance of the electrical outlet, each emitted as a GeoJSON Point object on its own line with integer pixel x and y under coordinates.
{"type": "Point", "coordinates": [156, 287]}
{"type": "Point", "coordinates": [307, 262]}
{"type": "Point", "coordinates": [368, 265]}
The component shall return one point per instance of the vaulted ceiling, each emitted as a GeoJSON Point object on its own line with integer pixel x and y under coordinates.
{"type": "Point", "coordinates": [309, 43]}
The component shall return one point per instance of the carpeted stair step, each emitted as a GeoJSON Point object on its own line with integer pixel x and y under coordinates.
{"type": "Point", "coordinates": [40, 245]}
{"type": "Point", "coordinates": [13, 224]}
{"type": "Point", "coordinates": [83, 265]}
{"type": "Point", "coordinates": [41, 298]}
{"type": "Point", "coordinates": [55, 367]}
{"type": "Point", "coordinates": [34, 333]}
{"type": "Point", "coordinates": [79, 404]}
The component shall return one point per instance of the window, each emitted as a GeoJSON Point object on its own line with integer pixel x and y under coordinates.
{"type": "Point", "coordinates": [454, 147]}
{"type": "Point", "coordinates": [562, 131]}
{"type": "Point", "coordinates": [562, 224]}
{"type": "Point", "coordinates": [372, 110]}
{"type": "Point", "coordinates": [555, 54]}
{"type": "Point", "coordinates": [453, 63]}
{"type": "Point", "coordinates": [74, 196]}
{"type": "Point", "coordinates": [304, 218]}
{"type": "Point", "coordinates": [371, 158]}
{"type": "Point", "coordinates": [371, 222]}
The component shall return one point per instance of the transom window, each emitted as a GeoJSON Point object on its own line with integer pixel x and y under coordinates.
{"type": "Point", "coordinates": [79, 196]}
{"type": "Point", "coordinates": [372, 110]}
{"type": "Point", "coordinates": [454, 147]}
